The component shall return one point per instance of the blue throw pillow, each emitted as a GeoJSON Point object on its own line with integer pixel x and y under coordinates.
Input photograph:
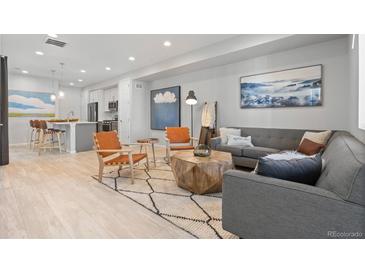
{"type": "Point", "coordinates": [305, 170]}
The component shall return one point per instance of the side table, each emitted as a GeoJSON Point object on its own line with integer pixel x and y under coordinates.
{"type": "Point", "coordinates": [152, 142]}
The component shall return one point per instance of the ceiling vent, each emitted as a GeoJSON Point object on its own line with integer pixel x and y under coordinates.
{"type": "Point", "coordinates": [54, 42]}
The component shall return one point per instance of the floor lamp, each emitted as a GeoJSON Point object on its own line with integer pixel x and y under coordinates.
{"type": "Point", "coordinates": [191, 100]}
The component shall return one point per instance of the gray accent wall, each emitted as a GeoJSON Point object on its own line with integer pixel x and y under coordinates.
{"type": "Point", "coordinates": [222, 84]}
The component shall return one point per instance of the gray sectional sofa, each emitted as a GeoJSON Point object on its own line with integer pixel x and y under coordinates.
{"type": "Point", "coordinates": [255, 206]}
{"type": "Point", "coordinates": [265, 140]}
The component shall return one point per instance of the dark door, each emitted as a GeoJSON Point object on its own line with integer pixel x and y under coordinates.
{"type": "Point", "coordinates": [4, 137]}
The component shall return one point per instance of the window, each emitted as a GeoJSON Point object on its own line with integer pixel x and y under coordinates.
{"type": "Point", "coordinates": [362, 81]}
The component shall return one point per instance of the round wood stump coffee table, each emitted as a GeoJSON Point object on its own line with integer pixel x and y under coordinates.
{"type": "Point", "coordinates": [200, 175]}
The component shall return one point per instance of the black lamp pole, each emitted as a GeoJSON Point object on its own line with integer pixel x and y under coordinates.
{"type": "Point", "coordinates": [191, 100]}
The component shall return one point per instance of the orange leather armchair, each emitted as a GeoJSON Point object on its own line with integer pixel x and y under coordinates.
{"type": "Point", "coordinates": [178, 138]}
{"type": "Point", "coordinates": [110, 153]}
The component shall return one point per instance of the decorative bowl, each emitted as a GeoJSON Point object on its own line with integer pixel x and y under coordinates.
{"type": "Point", "coordinates": [202, 151]}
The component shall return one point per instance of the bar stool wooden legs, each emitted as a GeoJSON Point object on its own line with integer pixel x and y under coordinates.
{"type": "Point", "coordinates": [34, 134]}
{"type": "Point", "coordinates": [49, 137]}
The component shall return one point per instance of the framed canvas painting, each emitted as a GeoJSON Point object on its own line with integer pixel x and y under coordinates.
{"type": "Point", "coordinates": [30, 104]}
{"type": "Point", "coordinates": [298, 87]}
{"type": "Point", "coordinates": [165, 108]}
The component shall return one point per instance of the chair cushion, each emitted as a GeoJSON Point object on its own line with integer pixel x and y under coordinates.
{"type": "Point", "coordinates": [187, 147]}
{"type": "Point", "coordinates": [257, 152]}
{"type": "Point", "coordinates": [107, 140]}
{"type": "Point", "coordinates": [234, 150]}
{"type": "Point", "coordinates": [178, 134]}
{"type": "Point", "coordinates": [123, 159]}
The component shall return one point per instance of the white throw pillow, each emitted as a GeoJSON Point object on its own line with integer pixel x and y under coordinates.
{"type": "Point", "coordinates": [239, 141]}
{"type": "Point", "coordinates": [224, 131]}
{"type": "Point", "coordinates": [317, 137]}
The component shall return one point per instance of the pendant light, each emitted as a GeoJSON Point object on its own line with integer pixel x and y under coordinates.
{"type": "Point", "coordinates": [53, 96]}
{"type": "Point", "coordinates": [61, 94]}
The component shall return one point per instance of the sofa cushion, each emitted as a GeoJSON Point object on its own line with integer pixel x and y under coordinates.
{"type": "Point", "coordinates": [317, 137]}
{"type": "Point", "coordinates": [344, 173]}
{"type": "Point", "coordinates": [281, 139]}
{"type": "Point", "coordinates": [257, 152]}
{"type": "Point", "coordinates": [308, 147]}
{"type": "Point", "coordinates": [234, 150]}
{"type": "Point", "coordinates": [239, 141]}
{"type": "Point", "coordinates": [223, 132]}
{"type": "Point", "coordinates": [301, 170]}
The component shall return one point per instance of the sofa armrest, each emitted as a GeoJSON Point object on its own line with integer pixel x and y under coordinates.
{"type": "Point", "coordinates": [214, 142]}
{"type": "Point", "coordinates": [255, 206]}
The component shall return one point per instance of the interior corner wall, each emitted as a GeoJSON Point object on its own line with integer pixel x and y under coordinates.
{"type": "Point", "coordinates": [222, 84]}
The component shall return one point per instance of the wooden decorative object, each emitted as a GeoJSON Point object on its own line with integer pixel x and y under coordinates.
{"type": "Point", "coordinates": [200, 175]}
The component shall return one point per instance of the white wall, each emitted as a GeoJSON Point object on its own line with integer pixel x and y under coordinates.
{"type": "Point", "coordinates": [71, 102]}
{"type": "Point", "coordinates": [19, 126]}
{"type": "Point", "coordinates": [222, 84]}
{"type": "Point", "coordinates": [139, 118]}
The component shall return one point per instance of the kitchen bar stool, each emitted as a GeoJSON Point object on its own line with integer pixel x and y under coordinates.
{"type": "Point", "coordinates": [34, 134]}
{"type": "Point", "coordinates": [47, 138]}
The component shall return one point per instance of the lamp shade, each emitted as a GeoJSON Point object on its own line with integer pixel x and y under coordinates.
{"type": "Point", "coordinates": [191, 99]}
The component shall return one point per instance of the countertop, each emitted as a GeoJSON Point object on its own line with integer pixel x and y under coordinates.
{"type": "Point", "coordinates": [69, 123]}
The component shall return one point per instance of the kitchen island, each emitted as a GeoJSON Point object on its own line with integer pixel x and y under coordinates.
{"type": "Point", "coordinates": [79, 135]}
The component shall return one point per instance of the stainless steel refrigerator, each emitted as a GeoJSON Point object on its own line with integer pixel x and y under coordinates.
{"type": "Point", "coordinates": [92, 112]}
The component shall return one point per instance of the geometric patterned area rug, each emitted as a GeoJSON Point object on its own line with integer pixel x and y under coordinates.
{"type": "Point", "coordinates": [157, 191]}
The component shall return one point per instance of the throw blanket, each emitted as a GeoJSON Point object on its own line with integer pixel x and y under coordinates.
{"type": "Point", "coordinates": [208, 115]}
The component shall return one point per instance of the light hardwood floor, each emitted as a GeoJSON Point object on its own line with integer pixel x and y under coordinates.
{"type": "Point", "coordinates": [54, 196]}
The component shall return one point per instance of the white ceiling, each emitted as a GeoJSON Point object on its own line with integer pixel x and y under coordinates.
{"type": "Point", "coordinates": [94, 52]}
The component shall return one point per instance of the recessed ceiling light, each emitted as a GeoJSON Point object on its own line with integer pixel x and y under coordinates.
{"type": "Point", "coordinates": [131, 58]}
{"type": "Point", "coordinates": [25, 71]}
{"type": "Point", "coordinates": [108, 68]}
{"type": "Point", "coordinates": [83, 71]}
{"type": "Point", "coordinates": [61, 93]}
{"type": "Point", "coordinates": [53, 35]}
{"type": "Point", "coordinates": [72, 84]}
{"type": "Point", "coordinates": [39, 53]}
{"type": "Point", "coordinates": [80, 80]}
{"type": "Point", "coordinates": [167, 43]}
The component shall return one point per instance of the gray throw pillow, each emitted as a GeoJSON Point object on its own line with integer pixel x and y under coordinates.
{"type": "Point", "coordinates": [305, 170]}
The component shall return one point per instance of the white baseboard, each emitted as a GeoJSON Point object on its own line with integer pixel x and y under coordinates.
{"type": "Point", "coordinates": [18, 144]}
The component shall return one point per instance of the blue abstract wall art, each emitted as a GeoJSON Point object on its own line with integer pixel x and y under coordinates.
{"type": "Point", "coordinates": [297, 87]}
{"type": "Point", "coordinates": [165, 108]}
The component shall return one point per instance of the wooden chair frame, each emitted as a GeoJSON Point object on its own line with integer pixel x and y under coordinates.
{"type": "Point", "coordinates": [115, 153]}
{"type": "Point", "coordinates": [168, 146]}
